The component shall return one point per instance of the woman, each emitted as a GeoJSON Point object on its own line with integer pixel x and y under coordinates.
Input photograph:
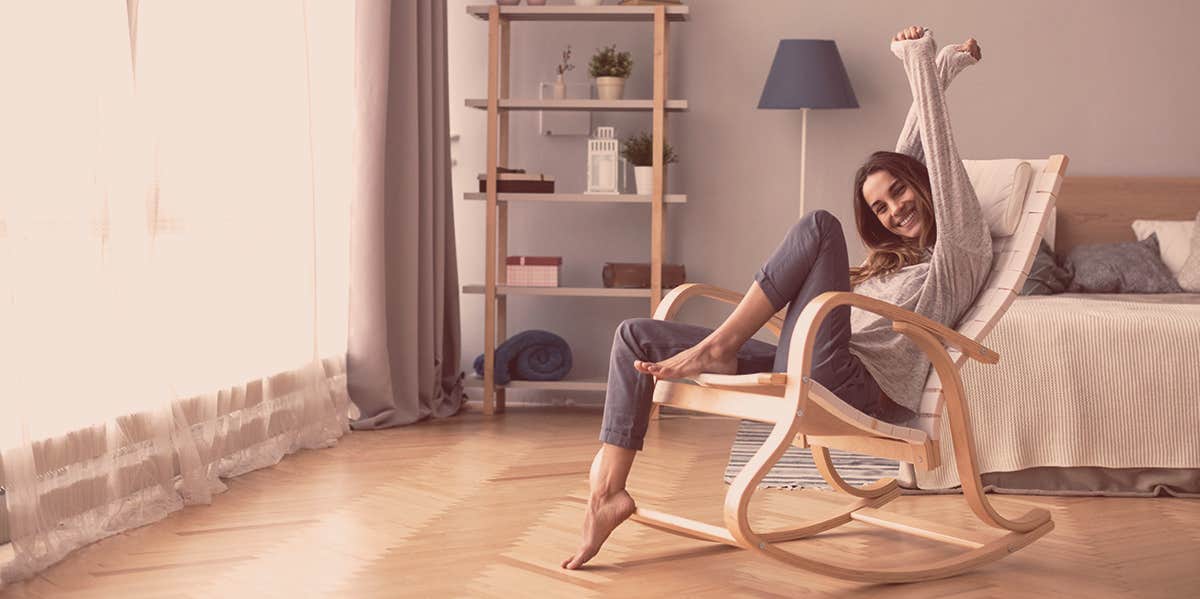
{"type": "Point", "coordinates": [929, 252]}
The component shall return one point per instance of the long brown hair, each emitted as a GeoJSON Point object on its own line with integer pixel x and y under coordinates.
{"type": "Point", "coordinates": [888, 252]}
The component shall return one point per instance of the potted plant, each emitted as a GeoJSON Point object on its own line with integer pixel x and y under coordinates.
{"type": "Point", "coordinates": [560, 84]}
{"type": "Point", "coordinates": [610, 68]}
{"type": "Point", "coordinates": [639, 151]}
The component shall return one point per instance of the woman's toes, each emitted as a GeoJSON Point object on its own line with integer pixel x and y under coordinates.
{"type": "Point", "coordinates": [642, 367]}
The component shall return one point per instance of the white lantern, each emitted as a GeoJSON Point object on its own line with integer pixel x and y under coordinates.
{"type": "Point", "coordinates": [605, 173]}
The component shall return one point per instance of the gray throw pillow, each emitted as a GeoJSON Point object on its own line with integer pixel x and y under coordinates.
{"type": "Point", "coordinates": [1046, 276]}
{"type": "Point", "coordinates": [1132, 267]}
{"type": "Point", "coordinates": [1189, 275]}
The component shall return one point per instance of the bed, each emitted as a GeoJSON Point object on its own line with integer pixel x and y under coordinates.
{"type": "Point", "coordinates": [1095, 394]}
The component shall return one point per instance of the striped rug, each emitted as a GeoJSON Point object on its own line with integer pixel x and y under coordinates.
{"type": "Point", "coordinates": [796, 469]}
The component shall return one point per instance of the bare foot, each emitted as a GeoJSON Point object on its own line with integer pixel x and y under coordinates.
{"type": "Point", "coordinates": [704, 357]}
{"type": "Point", "coordinates": [603, 516]}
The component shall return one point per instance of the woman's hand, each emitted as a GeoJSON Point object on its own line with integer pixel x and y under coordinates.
{"type": "Point", "coordinates": [971, 46]}
{"type": "Point", "coordinates": [911, 33]}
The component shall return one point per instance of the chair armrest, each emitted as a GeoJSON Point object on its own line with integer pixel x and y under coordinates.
{"type": "Point", "coordinates": [944, 334]}
{"type": "Point", "coordinates": [673, 301]}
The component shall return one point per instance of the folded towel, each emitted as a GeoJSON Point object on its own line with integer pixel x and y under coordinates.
{"type": "Point", "coordinates": [530, 356]}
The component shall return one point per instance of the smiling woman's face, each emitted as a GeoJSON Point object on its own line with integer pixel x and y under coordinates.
{"type": "Point", "coordinates": [894, 203]}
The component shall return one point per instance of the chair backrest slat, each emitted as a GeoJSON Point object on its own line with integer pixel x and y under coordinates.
{"type": "Point", "coordinates": [1012, 259]}
{"type": "Point", "coordinates": [1006, 278]}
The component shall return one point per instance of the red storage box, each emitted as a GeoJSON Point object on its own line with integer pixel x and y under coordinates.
{"type": "Point", "coordinates": [533, 271]}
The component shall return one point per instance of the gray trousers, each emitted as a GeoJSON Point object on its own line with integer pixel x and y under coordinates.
{"type": "Point", "coordinates": [810, 261]}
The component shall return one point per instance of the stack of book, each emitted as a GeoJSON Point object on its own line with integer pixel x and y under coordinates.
{"type": "Point", "coordinates": [515, 180]}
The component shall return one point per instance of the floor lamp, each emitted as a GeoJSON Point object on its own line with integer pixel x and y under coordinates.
{"type": "Point", "coordinates": [807, 74]}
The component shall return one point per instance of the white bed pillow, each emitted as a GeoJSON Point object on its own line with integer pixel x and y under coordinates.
{"type": "Point", "coordinates": [1000, 186]}
{"type": "Point", "coordinates": [1189, 275]}
{"type": "Point", "coordinates": [1174, 239]}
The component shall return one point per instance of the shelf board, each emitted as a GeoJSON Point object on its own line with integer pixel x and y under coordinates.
{"type": "Point", "coordinates": [562, 291]}
{"type": "Point", "coordinates": [577, 104]}
{"type": "Point", "coordinates": [592, 384]}
{"type": "Point", "coordinates": [626, 198]}
{"type": "Point", "coordinates": [578, 13]}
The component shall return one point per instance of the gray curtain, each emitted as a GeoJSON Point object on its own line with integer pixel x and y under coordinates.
{"type": "Point", "coordinates": [403, 361]}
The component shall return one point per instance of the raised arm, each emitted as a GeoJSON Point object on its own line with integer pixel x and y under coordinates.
{"type": "Point", "coordinates": [950, 62]}
{"type": "Point", "coordinates": [959, 216]}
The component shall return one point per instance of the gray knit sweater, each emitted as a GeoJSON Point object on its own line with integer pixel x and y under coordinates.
{"type": "Point", "coordinates": [943, 286]}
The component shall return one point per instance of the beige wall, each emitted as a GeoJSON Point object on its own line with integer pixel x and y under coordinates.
{"type": "Point", "coordinates": [1113, 84]}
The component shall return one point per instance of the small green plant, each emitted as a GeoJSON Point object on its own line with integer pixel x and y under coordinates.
{"type": "Point", "coordinates": [565, 65]}
{"type": "Point", "coordinates": [639, 150]}
{"type": "Point", "coordinates": [607, 62]}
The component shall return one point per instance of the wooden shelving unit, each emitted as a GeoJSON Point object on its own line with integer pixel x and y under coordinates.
{"type": "Point", "coordinates": [586, 105]}
{"type": "Point", "coordinates": [498, 105]}
{"type": "Point", "coordinates": [597, 384]}
{"type": "Point", "coordinates": [560, 291]}
{"type": "Point", "coordinates": [579, 13]}
{"type": "Point", "coordinates": [673, 198]}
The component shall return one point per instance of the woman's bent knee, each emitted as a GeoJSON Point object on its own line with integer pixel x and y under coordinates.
{"type": "Point", "coordinates": [826, 223]}
{"type": "Point", "coordinates": [823, 219]}
{"type": "Point", "coordinates": [631, 332]}
{"type": "Point", "coordinates": [635, 326]}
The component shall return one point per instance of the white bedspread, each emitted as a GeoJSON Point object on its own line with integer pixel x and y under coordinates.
{"type": "Point", "coordinates": [1084, 380]}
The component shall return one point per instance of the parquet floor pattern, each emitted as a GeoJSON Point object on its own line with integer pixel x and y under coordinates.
{"type": "Point", "coordinates": [477, 506]}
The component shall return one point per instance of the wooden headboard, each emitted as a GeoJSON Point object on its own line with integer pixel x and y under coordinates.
{"type": "Point", "coordinates": [1100, 209]}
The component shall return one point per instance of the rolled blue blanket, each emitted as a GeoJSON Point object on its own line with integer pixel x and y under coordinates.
{"type": "Point", "coordinates": [530, 356]}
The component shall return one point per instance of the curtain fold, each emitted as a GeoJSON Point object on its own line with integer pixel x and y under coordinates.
{"type": "Point", "coordinates": [405, 330]}
{"type": "Point", "coordinates": [174, 255]}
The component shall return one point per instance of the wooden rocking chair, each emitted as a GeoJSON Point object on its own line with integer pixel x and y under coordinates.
{"type": "Point", "coordinates": [806, 414]}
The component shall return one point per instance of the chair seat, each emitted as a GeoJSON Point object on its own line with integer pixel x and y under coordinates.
{"type": "Point", "coordinates": [763, 383]}
{"type": "Point", "coordinates": [830, 417]}
{"type": "Point", "coordinates": [754, 378]}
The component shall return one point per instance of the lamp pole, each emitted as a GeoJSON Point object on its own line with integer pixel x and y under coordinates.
{"type": "Point", "coordinates": [807, 74]}
{"type": "Point", "coordinates": [803, 152]}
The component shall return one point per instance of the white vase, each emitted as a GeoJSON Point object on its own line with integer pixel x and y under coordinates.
{"type": "Point", "coordinates": [560, 88]}
{"type": "Point", "coordinates": [588, 2]}
{"type": "Point", "coordinates": [610, 88]}
{"type": "Point", "coordinates": [643, 177]}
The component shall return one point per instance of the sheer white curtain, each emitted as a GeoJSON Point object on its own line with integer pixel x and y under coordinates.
{"type": "Point", "coordinates": [173, 254]}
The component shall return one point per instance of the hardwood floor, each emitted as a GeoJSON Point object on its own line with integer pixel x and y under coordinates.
{"type": "Point", "coordinates": [487, 507]}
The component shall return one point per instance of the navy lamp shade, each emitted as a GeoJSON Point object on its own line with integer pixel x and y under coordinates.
{"type": "Point", "coordinates": [807, 74]}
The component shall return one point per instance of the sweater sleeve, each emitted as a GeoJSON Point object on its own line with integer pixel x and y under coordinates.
{"type": "Point", "coordinates": [959, 217]}
{"type": "Point", "coordinates": [950, 62]}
